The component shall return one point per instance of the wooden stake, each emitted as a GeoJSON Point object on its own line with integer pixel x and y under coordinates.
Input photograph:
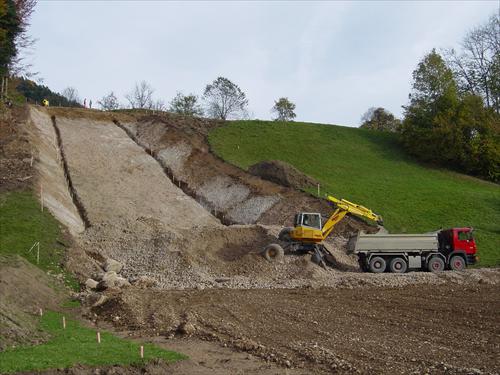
{"type": "Point", "coordinates": [64, 322]}
{"type": "Point", "coordinates": [41, 197]}
{"type": "Point", "coordinates": [318, 190]}
{"type": "Point", "coordinates": [98, 337]}
{"type": "Point", "coordinates": [142, 351]}
{"type": "Point", "coordinates": [40, 312]}
{"type": "Point", "coordinates": [38, 253]}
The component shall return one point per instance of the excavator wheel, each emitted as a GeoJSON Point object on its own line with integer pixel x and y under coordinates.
{"type": "Point", "coordinates": [285, 234]}
{"type": "Point", "coordinates": [273, 252]}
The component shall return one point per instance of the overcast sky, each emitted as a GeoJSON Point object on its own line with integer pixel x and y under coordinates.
{"type": "Point", "coordinates": [333, 59]}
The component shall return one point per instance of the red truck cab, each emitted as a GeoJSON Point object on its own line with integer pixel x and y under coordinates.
{"type": "Point", "coordinates": [456, 243]}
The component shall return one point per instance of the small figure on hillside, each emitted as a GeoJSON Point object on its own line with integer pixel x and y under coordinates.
{"type": "Point", "coordinates": [90, 103]}
{"type": "Point", "coordinates": [85, 103]}
{"type": "Point", "coordinates": [45, 102]}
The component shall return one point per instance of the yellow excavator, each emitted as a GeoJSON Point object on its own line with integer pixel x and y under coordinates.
{"type": "Point", "coordinates": [308, 234]}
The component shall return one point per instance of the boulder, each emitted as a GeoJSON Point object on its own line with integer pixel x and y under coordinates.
{"type": "Point", "coordinates": [91, 284]}
{"type": "Point", "coordinates": [111, 280]}
{"type": "Point", "coordinates": [112, 265]}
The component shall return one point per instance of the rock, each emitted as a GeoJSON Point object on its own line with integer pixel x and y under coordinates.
{"type": "Point", "coordinates": [187, 328]}
{"type": "Point", "coordinates": [121, 282]}
{"type": "Point", "coordinates": [112, 265]}
{"type": "Point", "coordinates": [112, 280]}
{"type": "Point", "coordinates": [91, 284]}
{"type": "Point", "coordinates": [101, 301]}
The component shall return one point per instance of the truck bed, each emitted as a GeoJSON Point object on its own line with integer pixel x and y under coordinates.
{"type": "Point", "coordinates": [363, 242]}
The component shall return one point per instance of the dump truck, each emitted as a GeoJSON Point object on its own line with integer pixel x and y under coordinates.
{"type": "Point", "coordinates": [453, 248]}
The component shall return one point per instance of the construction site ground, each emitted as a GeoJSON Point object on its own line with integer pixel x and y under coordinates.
{"type": "Point", "coordinates": [146, 191]}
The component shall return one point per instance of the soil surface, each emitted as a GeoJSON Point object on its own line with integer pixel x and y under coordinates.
{"type": "Point", "coordinates": [24, 289]}
{"type": "Point", "coordinates": [439, 329]}
{"type": "Point", "coordinates": [282, 173]}
{"type": "Point", "coordinates": [16, 171]}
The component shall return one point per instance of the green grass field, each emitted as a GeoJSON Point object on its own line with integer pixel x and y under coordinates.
{"type": "Point", "coordinates": [22, 224]}
{"type": "Point", "coordinates": [371, 169]}
{"type": "Point", "coordinates": [77, 344]}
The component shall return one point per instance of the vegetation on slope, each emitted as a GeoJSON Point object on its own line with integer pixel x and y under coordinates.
{"type": "Point", "coordinates": [371, 169]}
{"type": "Point", "coordinates": [22, 224]}
{"type": "Point", "coordinates": [77, 344]}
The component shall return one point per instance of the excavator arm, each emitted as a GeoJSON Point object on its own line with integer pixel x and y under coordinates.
{"type": "Point", "coordinates": [343, 208]}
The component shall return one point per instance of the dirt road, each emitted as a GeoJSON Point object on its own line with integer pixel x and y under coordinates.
{"type": "Point", "coordinates": [438, 329]}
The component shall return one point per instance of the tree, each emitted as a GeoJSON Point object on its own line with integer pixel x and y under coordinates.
{"type": "Point", "coordinates": [23, 41]}
{"type": "Point", "coordinates": [284, 110]}
{"type": "Point", "coordinates": [442, 127]}
{"type": "Point", "coordinates": [380, 119]}
{"type": "Point", "coordinates": [158, 105]}
{"type": "Point", "coordinates": [141, 96]}
{"type": "Point", "coordinates": [71, 94]}
{"type": "Point", "coordinates": [109, 102]}
{"type": "Point", "coordinates": [10, 28]}
{"type": "Point", "coordinates": [477, 65]}
{"type": "Point", "coordinates": [186, 105]}
{"type": "Point", "coordinates": [224, 99]}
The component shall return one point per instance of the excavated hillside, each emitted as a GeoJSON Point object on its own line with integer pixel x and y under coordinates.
{"type": "Point", "coordinates": [146, 191]}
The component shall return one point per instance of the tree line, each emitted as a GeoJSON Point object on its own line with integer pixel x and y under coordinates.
{"type": "Point", "coordinates": [453, 115]}
{"type": "Point", "coordinates": [221, 99]}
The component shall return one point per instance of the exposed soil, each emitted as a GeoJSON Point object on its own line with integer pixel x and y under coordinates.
{"type": "Point", "coordinates": [24, 289]}
{"type": "Point", "coordinates": [16, 172]}
{"type": "Point", "coordinates": [282, 173]}
{"type": "Point", "coordinates": [434, 329]}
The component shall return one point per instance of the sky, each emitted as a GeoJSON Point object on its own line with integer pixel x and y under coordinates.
{"type": "Point", "coordinates": [334, 60]}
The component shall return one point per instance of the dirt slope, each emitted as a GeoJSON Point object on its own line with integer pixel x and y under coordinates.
{"type": "Point", "coordinates": [24, 289]}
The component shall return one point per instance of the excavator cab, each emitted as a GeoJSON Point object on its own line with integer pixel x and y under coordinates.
{"type": "Point", "coordinates": [307, 219]}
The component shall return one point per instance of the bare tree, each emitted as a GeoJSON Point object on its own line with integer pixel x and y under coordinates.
{"type": "Point", "coordinates": [224, 99]}
{"type": "Point", "coordinates": [109, 102]}
{"type": "Point", "coordinates": [186, 105]}
{"type": "Point", "coordinates": [71, 94]}
{"type": "Point", "coordinates": [284, 110]}
{"type": "Point", "coordinates": [477, 65]}
{"type": "Point", "coordinates": [141, 96]}
{"type": "Point", "coordinates": [158, 105]}
{"type": "Point", "coordinates": [23, 41]}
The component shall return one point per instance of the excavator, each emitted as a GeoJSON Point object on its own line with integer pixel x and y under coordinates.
{"type": "Point", "coordinates": [308, 234]}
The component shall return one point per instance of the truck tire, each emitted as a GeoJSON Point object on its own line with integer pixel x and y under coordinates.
{"type": "Point", "coordinates": [273, 252]}
{"type": "Point", "coordinates": [284, 234]}
{"type": "Point", "coordinates": [377, 265]}
{"type": "Point", "coordinates": [457, 263]}
{"type": "Point", "coordinates": [436, 264]}
{"type": "Point", "coordinates": [398, 265]}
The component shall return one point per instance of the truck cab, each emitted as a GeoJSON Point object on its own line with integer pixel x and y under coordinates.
{"type": "Point", "coordinates": [458, 241]}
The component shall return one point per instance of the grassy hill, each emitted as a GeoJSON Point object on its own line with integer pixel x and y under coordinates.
{"type": "Point", "coordinates": [371, 169]}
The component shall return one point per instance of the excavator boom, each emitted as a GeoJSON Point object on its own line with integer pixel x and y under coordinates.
{"type": "Point", "coordinates": [304, 233]}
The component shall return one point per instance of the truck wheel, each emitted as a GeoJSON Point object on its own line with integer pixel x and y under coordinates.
{"type": "Point", "coordinates": [284, 234]}
{"type": "Point", "coordinates": [435, 264]}
{"type": "Point", "coordinates": [398, 265]}
{"type": "Point", "coordinates": [457, 263]}
{"type": "Point", "coordinates": [273, 252]}
{"type": "Point", "coordinates": [377, 265]}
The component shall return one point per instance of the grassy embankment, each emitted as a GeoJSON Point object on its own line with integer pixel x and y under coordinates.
{"type": "Point", "coordinates": [371, 169]}
{"type": "Point", "coordinates": [78, 344]}
{"type": "Point", "coordinates": [21, 225]}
